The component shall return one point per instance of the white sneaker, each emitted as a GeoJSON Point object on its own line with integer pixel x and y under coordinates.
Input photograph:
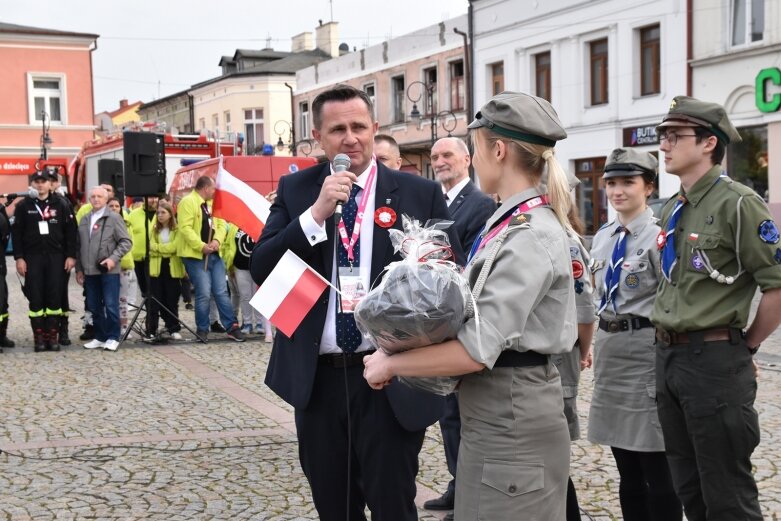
{"type": "Point", "coordinates": [111, 345]}
{"type": "Point", "coordinates": [176, 335]}
{"type": "Point", "coordinates": [94, 344]}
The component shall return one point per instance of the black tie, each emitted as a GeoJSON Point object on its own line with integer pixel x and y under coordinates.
{"type": "Point", "coordinates": [348, 337]}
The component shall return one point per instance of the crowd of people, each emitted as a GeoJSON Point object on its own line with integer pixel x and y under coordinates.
{"type": "Point", "coordinates": [147, 250]}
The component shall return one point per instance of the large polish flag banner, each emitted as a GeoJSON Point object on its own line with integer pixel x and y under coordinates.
{"type": "Point", "coordinates": [289, 292]}
{"type": "Point", "coordinates": [239, 204]}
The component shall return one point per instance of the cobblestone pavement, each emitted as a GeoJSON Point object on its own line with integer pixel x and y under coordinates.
{"type": "Point", "coordinates": [189, 432]}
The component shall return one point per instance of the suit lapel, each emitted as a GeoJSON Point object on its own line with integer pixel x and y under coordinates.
{"type": "Point", "coordinates": [382, 251]}
{"type": "Point", "coordinates": [460, 198]}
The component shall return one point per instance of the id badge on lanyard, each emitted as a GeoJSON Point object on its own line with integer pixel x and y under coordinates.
{"type": "Point", "coordinates": [43, 224]}
{"type": "Point", "coordinates": [352, 288]}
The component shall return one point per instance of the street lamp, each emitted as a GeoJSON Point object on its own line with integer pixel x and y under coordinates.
{"type": "Point", "coordinates": [307, 146]}
{"type": "Point", "coordinates": [281, 144]}
{"type": "Point", "coordinates": [46, 141]}
{"type": "Point", "coordinates": [445, 117]}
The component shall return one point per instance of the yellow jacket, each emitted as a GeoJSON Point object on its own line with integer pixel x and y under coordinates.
{"type": "Point", "coordinates": [138, 231]}
{"type": "Point", "coordinates": [160, 250]}
{"type": "Point", "coordinates": [189, 219]}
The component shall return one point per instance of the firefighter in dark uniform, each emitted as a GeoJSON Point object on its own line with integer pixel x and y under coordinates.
{"type": "Point", "coordinates": [64, 339]}
{"type": "Point", "coordinates": [718, 244]}
{"type": "Point", "coordinates": [44, 239]}
{"type": "Point", "coordinates": [5, 233]}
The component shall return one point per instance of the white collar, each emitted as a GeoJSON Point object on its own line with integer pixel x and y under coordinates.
{"type": "Point", "coordinates": [453, 192]}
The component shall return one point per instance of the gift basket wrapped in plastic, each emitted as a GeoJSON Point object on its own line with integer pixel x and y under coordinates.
{"type": "Point", "coordinates": [422, 299]}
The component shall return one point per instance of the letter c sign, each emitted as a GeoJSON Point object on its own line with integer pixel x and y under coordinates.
{"type": "Point", "coordinates": [773, 75]}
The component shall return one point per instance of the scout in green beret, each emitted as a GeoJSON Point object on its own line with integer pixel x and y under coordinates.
{"type": "Point", "coordinates": [625, 264]}
{"type": "Point", "coordinates": [718, 245]}
{"type": "Point", "coordinates": [520, 274]}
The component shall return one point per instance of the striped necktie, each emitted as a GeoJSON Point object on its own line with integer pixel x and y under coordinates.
{"type": "Point", "coordinates": [668, 250]}
{"type": "Point", "coordinates": [348, 337]}
{"type": "Point", "coordinates": [613, 274]}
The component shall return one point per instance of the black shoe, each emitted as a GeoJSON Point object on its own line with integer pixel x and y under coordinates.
{"type": "Point", "coordinates": [88, 334]}
{"type": "Point", "coordinates": [203, 335]}
{"type": "Point", "coordinates": [236, 334]}
{"type": "Point", "coordinates": [217, 327]}
{"type": "Point", "coordinates": [6, 342]}
{"type": "Point", "coordinates": [189, 306]}
{"type": "Point", "coordinates": [444, 502]}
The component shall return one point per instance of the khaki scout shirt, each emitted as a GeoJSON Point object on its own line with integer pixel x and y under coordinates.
{"type": "Point", "coordinates": [639, 271]}
{"type": "Point", "coordinates": [720, 216]}
{"type": "Point", "coordinates": [528, 301]}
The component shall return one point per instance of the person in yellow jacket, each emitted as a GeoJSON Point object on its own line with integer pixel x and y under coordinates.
{"type": "Point", "coordinates": [127, 274]}
{"type": "Point", "coordinates": [200, 237]}
{"type": "Point", "coordinates": [165, 271]}
{"type": "Point", "coordinates": [139, 237]}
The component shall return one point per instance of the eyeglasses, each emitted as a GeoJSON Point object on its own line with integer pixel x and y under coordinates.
{"type": "Point", "coordinates": [672, 137]}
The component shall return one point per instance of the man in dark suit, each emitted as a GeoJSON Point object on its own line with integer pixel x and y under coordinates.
{"type": "Point", "coordinates": [353, 442]}
{"type": "Point", "coordinates": [470, 209]}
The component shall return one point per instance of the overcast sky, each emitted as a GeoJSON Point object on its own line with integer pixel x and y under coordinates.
{"type": "Point", "coordinates": [151, 48]}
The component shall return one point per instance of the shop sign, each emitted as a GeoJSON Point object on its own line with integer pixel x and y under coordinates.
{"type": "Point", "coordinates": [640, 136]}
{"type": "Point", "coordinates": [767, 102]}
{"type": "Point", "coordinates": [27, 165]}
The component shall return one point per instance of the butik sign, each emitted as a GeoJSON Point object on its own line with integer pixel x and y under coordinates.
{"type": "Point", "coordinates": [640, 136]}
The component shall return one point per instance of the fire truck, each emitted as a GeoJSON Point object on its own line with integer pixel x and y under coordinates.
{"type": "Point", "coordinates": [180, 150]}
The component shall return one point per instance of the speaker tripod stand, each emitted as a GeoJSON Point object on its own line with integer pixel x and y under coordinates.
{"type": "Point", "coordinates": [148, 298]}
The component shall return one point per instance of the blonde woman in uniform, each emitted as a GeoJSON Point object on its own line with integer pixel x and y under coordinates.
{"type": "Point", "coordinates": [625, 263]}
{"type": "Point", "coordinates": [514, 455]}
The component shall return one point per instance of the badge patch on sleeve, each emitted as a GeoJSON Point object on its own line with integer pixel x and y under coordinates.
{"type": "Point", "coordinates": [697, 262]}
{"type": "Point", "coordinates": [574, 252]}
{"type": "Point", "coordinates": [577, 269]}
{"type": "Point", "coordinates": [578, 287]}
{"type": "Point", "coordinates": [522, 218]}
{"type": "Point", "coordinates": [632, 281]}
{"type": "Point", "coordinates": [768, 232]}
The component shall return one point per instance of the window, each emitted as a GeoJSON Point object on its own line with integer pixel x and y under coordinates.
{"type": "Point", "coordinates": [457, 92]}
{"type": "Point", "coordinates": [202, 123]}
{"type": "Point", "coordinates": [253, 130]}
{"type": "Point", "coordinates": [303, 123]}
{"type": "Point", "coordinates": [369, 90]}
{"type": "Point", "coordinates": [542, 78]}
{"type": "Point", "coordinates": [430, 77]}
{"type": "Point", "coordinates": [397, 91]}
{"type": "Point", "coordinates": [46, 95]}
{"type": "Point", "coordinates": [598, 53]}
{"type": "Point", "coordinates": [590, 193]}
{"type": "Point", "coordinates": [497, 78]}
{"type": "Point", "coordinates": [649, 60]}
{"type": "Point", "coordinates": [226, 116]}
{"type": "Point", "coordinates": [747, 19]}
{"type": "Point", "coordinates": [748, 160]}
{"type": "Point", "coordinates": [215, 122]}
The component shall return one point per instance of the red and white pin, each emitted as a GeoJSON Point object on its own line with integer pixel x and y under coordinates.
{"type": "Point", "coordinates": [385, 217]}
{"type": "Point", "coordinates": [661, 239]}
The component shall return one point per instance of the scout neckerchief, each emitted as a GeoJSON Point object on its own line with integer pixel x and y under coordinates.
{"type": "Point", "coordinates": [613, 274]}
{"type": "Point", "coordinates": [349, 245]}
{"type": "Point", "coordinates": [534, 202]}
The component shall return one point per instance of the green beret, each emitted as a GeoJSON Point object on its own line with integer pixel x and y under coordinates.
{"type": "Point", "coordinates": [521, 116]}
{"type": "Point", "coordinates": [690, 112]}
{"type": "Point", "coordinates": [624, 162]}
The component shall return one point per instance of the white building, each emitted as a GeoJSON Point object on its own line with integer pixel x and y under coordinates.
{"type": "Point", "coordinates": [609, 67]}
{"type": "Point", "coordinates": [736, 61]}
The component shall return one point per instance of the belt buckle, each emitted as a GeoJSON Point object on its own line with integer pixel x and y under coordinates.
{"type": "Point", "coordinates": [613, 326]}
{"type": "Point", "coordinates": [664, 336]}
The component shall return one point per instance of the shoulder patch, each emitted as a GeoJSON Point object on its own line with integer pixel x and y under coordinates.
{"type": "Point", "coordinates": [768, 232]}
{"type": "Point", "coordinates": [522, 218]}
{"type": "Point", "coordinates": [577, 269]}
{"type": "Point", "coordinates": [574, 252]}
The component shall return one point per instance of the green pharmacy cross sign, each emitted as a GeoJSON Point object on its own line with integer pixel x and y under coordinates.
{"type": "Point", "coordinates": [765, 76]}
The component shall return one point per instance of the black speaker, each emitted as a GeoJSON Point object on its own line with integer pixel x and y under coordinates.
{"type": "Point", "coordinates": [110, 173]}
{"type": "Point", "coordinates": [144, 164]}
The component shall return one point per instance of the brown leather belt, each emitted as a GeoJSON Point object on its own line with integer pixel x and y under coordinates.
{"type": "Point", "coordinates": [342, 360]}
{"type": "Point", "coordinates": [707, 335]}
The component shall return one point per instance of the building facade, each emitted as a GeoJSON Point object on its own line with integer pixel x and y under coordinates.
{"type": "Point", "coordinates": [47, 104]}
{"type": "Point", "coordinates": [417, 83]}
{"type": "Point", "coordinates": [736, 62]}
{"type": "Point", "coordinates": [107, 122]}
{"type": "Point", "coordinates": [175, 111]}
{"type": "Point", "coordinates": [610, 76]}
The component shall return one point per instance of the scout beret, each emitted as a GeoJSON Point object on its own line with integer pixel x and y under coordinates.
{"type": "Point", "coordinates": [690, 112]}
{"type": "Point", "coordinates": [521, 116]}
{"type": "Point", "coordinates": [624, 162]}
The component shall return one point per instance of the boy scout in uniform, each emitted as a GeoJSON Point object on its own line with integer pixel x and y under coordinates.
{"type": "Point", "coordinates": [718, 244]}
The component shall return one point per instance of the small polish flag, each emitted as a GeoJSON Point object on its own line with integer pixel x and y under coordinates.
{"type": "Point", "coordinates": [289, 292]}
{"type": "Point", "coordinates": [239, 203]}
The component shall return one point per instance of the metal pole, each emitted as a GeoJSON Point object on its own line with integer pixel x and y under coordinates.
{"type": "Point", "coordinates": [293, 119]}
{"type": "Point", "coordinates": [430, 89]}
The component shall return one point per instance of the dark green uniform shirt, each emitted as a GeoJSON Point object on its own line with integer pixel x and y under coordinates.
{"type": "Point", "coordinates": [727, 225]}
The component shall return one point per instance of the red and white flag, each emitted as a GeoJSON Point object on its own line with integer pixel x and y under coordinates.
{"type": "Point", "coordinates": [289, 292]}
{"type": "Point", "coordinates": [239, 203]}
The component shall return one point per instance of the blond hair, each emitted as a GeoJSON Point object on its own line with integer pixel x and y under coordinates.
{"type": "Point", "coordinates": [532, 159]}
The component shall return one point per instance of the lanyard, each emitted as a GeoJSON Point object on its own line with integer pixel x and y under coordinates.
{"type": "Point", "coordinates": [45, 213]}
{"type": "Point", "coordinates": [534, 202]}
{"type": "Point", "coordinates": [349, 245]}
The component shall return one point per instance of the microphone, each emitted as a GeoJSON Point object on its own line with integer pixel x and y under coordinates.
{"type": "Point", "coordinates": [341, 163]}
{"type": "Point", "coordinates": [32, 192]}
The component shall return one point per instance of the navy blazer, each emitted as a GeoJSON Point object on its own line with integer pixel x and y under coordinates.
{"type": "Point", "coordinates": [293, 363]}
{"type": "Point", "coordinates": [470, 211]}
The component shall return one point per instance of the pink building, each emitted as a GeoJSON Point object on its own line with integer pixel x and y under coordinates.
{"type": "Point", "coordinates": [46, 89]}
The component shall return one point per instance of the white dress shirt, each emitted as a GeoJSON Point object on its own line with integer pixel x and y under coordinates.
{"type": "Point", "coordinates": [94, 216]}
{"type": "Point", "coordinates": [451, 194]}
{"type": "Point", "coordinates": [316, 234]}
